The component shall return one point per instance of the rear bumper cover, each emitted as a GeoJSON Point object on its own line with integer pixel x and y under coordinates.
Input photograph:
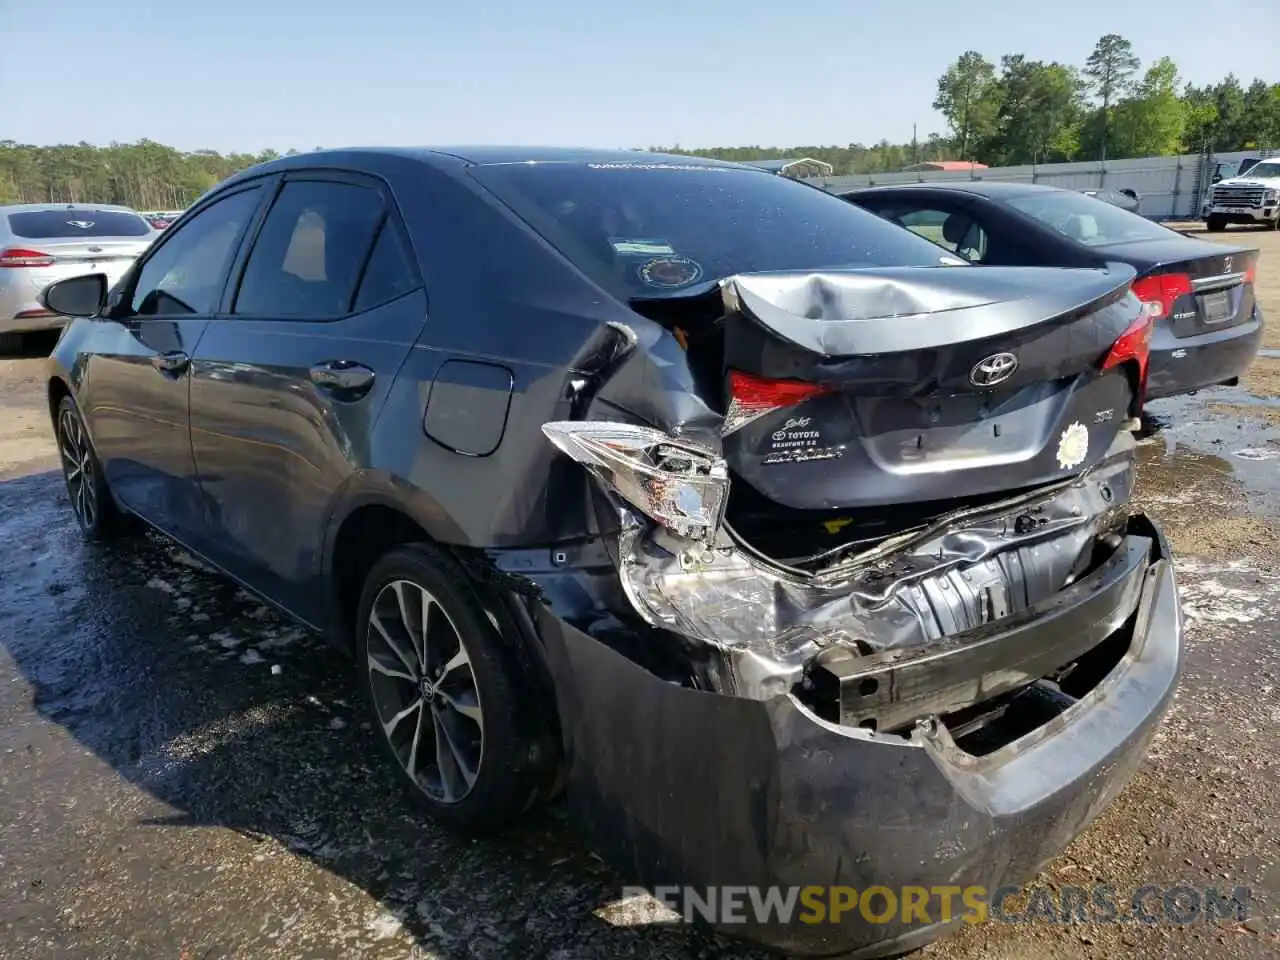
{"type": "Point", "coordinates": [676, 786]}
{"type": "Point", "coordinates": [1182, 364]}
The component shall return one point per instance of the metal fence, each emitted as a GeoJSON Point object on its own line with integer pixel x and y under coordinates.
{"type": "Point", "coordinates": [1170, 188]}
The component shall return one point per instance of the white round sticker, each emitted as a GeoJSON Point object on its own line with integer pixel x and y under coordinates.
{"type": "Point", "coordinates": [1073, 446]}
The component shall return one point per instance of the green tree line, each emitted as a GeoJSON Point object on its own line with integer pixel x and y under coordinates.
{"type": "Point", "coordinates": [1017, 111]}
{"type": "Point", "coordinates": [1028, 111]}
{"type": "Point", "coordinates": [144, 175]}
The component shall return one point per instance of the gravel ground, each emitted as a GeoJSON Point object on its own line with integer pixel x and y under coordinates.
{"type": "Point", "coordinates": [185, 775]}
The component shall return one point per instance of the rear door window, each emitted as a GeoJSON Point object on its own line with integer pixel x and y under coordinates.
{"type": "Point", "coordinates": [72, 224]}
{"type": "Point", "coordinates": [389, 273]}
{"type": "Point", "coordinates": [185, 274]}
{"type": "Point", "coordinates": [310, 252]}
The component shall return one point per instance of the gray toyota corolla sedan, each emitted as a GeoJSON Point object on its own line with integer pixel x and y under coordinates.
{"type": "Point", "coordinates": [792, 549]}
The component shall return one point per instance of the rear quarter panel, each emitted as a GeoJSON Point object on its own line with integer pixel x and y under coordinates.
{"type": "Point", "coordinates": [505, 313]}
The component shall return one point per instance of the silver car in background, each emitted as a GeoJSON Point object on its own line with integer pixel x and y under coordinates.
{"type": "Point", "coordinates": [44, 242]}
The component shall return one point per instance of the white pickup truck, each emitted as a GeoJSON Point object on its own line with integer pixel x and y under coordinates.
{"type": "Point", "coordinates": [1253, 196]}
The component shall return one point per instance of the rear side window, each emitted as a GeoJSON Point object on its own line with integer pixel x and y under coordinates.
{"type": "Point", "coordinates": [186, 272]}
{"type": "Point", "coordinates": [954, 230]}
{"type": "Point", "coordinates": [646, 229]}
{"type": "Point", "coordinates": [388, 274]}
{"type": "Point", "coordinates": [63, 224]}
{"type": "Point", "coordinates": [308, 257]}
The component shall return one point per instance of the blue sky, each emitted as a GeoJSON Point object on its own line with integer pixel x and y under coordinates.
{"type": "Point", "coordinates": [234, 74]}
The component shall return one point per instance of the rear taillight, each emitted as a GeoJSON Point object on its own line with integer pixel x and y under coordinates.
{"type": "Point", "coordinates": [751, 398]}
{"type": "Point", "coordinates": [1134, 345]}
{"type": "Point", "coordinates": [681, 485]}
{"type": "Point", "coordinates": [1251, 273]}
{"type": "Point", "coordinates": [22, 257]}
{"type": "Point", "coordinates": [1162, 291]}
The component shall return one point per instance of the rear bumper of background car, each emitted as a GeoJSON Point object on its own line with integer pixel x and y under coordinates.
{"type": "Point", "coordinates": [31, 321]}
{"type": "Point", "coordinates": [1182, 364]}
{"type": "Point", "coordinates": [676, 786]}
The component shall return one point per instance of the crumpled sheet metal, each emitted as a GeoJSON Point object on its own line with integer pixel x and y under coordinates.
{"type": "Point", "coordinates": [895, 309]}
{"type": "Point", "coordinates": [996, 563]}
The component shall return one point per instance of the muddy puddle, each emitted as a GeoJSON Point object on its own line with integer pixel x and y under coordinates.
{"type": "Point", "coordinates": [1219, 448]}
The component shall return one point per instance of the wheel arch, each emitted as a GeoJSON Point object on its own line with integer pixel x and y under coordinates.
{"type": "Point", "coordinates": [57, 389]}
{"type": "Point", "coordinates": [379, 517]}
{"type": "Point", "coordinates": [373, 513]}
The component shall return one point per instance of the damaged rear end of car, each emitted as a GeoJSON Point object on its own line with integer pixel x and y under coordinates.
{"type": "Point", "coordinates": [867, 484]}
{"type": "Point", "coordinates": [864, 602]}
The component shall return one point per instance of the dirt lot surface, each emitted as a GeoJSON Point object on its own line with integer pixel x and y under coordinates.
{"type": "Point", "coordinates": [185, 775]}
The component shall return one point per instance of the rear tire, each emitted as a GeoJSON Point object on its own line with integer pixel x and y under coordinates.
{"type": "Point", "coordinates": [91, 501]}
{"type": "Point", "coordinates": [1215, 224]}
{"type": "Point", "coordinates": [451, 709]}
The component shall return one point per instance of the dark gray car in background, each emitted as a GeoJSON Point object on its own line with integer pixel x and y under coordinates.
{"type": "Point", "coordinates": [1208, 324]}
{"type": "Point", "coordinates": [794, 550]}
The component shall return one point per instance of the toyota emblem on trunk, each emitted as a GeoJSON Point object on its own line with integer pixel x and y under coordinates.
{"type": "Point", "coordinates": [995, 369]}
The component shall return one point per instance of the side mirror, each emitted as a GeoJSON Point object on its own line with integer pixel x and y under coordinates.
{"type": "Point", "coordinates": [84, 296]}
{"type": "Point", "coordinates": [1217, 177]}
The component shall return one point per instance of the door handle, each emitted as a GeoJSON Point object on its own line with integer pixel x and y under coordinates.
{"type": "Point", "coordinates": [174, 362]}
{"type": "Point", "coordinates": [343, 379]}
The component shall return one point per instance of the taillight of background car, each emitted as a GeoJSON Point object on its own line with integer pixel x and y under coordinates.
{"type": "Point", "coordinates": [1134, 346]}
{"type": "Point", "coordinates": [24, 257]}
{"type": "Point", "coordinates": [1162, 291]}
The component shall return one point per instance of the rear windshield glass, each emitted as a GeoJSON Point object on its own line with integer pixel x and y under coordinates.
{"type": "Point", "coordinates": [1088, 220]}
{"type": "Point", "coordinates": [57, 224]}
{"type": "Point", "coordinates": [653, 230]}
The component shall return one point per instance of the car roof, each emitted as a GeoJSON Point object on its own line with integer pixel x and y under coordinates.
{"type": "Point", "coordinates": [494, 154]}
{"type": "Point", "coordinates": [995, 189]}
{"type": "Point", "coordinates": [374, 159]}
{"type": "Point", "coordinates": [43, 207]}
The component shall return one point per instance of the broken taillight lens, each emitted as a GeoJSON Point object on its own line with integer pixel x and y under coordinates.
{"type": "Point", "coordinates": [1134, 345]}
{"type": "Point", "coordinates": [751, 398]}
{"type": "Point", "coordinates": [680, 485]}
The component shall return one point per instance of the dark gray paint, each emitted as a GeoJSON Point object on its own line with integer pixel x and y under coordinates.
{"type": "Point", "coordinates": [468, 405]}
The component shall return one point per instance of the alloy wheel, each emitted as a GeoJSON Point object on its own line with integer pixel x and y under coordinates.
{"type": "Point", "coordinates": [77, 468]}
{"type": "Point", "coordinates": [424, 691]}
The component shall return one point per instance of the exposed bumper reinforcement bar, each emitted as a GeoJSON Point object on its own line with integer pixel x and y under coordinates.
{"type": "Point", "coordinates": [892, 689]}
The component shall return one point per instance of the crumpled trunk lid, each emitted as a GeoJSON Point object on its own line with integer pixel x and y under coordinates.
{"type": "Point", "coordinates": [922, 384]}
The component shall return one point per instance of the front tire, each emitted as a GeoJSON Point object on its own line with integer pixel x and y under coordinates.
{"type": "Point", "coordinates": [1215, 224]}
{"type": "Point", "coordinates": [450, 706]}
{"type": "Point", "coordinates": [91, 501]}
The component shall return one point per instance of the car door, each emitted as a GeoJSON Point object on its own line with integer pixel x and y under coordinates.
{"type": "Point", "coordinates": [134, 385]}
{"type": "Point", "coordinates": [289, 378]}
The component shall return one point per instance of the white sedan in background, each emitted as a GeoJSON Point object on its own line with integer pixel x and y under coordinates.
{"type": "Point", "coordinates": [44, 242]}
